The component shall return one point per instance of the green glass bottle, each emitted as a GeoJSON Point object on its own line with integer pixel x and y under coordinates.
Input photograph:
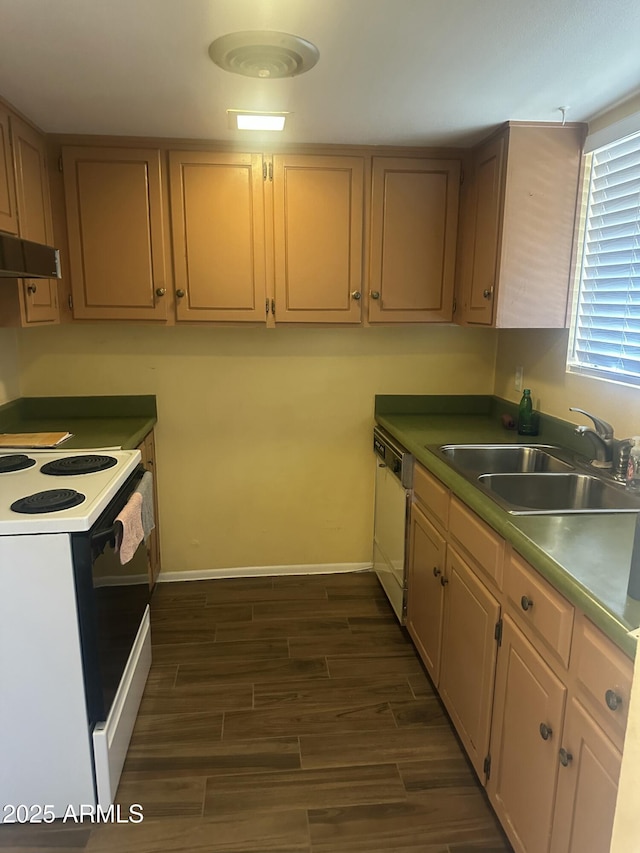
{"type": "Point", "coordinates": [527, 421]}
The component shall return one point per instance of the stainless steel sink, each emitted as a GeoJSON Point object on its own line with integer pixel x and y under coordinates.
{"type": "Point", "coordinates": [476, 459]}
{"type": "Point", "coordinates": [544, 494]}
{"type": "Point", "coordinates": [537, 479]}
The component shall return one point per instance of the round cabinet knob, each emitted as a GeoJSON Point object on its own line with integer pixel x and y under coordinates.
{"type": "Point", "coordinates": [613, 700]}
{"type": "Point", "coordinates": [180, 293]}
{"type": "Point", "coordinates": [374, 294]}
{"type": "Point", "coordinates": [32, 288]}
{"type": "Point", "coordinates": [356, 295]}
{"type": "Point", "coordinates": [436, 572]}
{"type": "Point", "coordinates": [444, 581]}
{"type": "Point", "coordinates": [488, 293]}
{"type": "Point", "coordinates": [160, 291]}
{"type": "Point", "coordinates": [565, 757]}
{"type": "Point", "coordinates": [545, 731]}
{"type": "Point", "coordinates": [526, 603]}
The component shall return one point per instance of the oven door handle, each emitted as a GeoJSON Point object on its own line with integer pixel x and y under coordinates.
{"type": "Point", "coordinates": [99, 540]}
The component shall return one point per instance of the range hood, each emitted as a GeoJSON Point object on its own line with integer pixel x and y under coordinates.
{"type": "Point", "coordinates": [25, 259]}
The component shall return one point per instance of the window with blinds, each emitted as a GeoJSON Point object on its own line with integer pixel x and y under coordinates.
{"type": "Point", "coordinates": [606, 323]}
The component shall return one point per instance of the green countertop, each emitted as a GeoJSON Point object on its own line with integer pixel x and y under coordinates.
{"type": "Point", "coordinates": [586, 557]}
{"type": "Point", "coordinates": [95, 422]}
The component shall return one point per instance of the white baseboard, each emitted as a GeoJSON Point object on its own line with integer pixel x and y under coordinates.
{"type": "Point", "coordinates": [258, 571]}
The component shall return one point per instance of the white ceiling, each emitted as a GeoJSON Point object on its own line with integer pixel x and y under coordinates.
{"type": "Point", "coordinates": [410, 72]}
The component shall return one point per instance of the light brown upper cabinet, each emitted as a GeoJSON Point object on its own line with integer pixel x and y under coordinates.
{"type": "Point", "coordinates": [117, 256]}
{"type": "Point", "coordinates": [40, 297]}
{"type": "Point", "coordinates": [217, 224]}
{"type": "Point", "coordinates": [8, 211]}
{"type": "Point", "coordinates": [25, 209]}
{"type": "Point", "coordinates": [414, 222]}
{"type": "Point", "coordinates": [517, 227]}
{"type": "Point", "coordinates": [318, 221]}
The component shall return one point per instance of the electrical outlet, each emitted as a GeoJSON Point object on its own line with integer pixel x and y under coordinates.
{"type": "Point", "coordinates": [518, 378]}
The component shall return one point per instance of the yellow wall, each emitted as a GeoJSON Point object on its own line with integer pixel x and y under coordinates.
{"type": "Point", "coordinates": [542, 353]}
{"type": "Point", "coordinates": [9, 369]}
{"type": "Point", "coordinates": [263, 435]}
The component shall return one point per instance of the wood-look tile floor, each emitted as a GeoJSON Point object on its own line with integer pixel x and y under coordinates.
{"type": "Point", "coordinates": [285, 715]}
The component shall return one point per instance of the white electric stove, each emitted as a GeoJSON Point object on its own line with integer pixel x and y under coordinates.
{"type": "Point", "coordinates": [61, 471]}
{"type": "Point", "coordinates": [75, 643]}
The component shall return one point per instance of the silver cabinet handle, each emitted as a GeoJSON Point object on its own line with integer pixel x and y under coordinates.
{"type": "Point", "coordinates": [488, 293]}
{"type": "Point", "coordinates": [565, 757]}
{"type": "Point", "coordinates": [160, 291]}
{"type": "Point", "coordinates": [32, 288]}
{"type": "Point", "coordinates": [375, 294]}
{"type": "Point", "coordinates": [613, 700]}
{"type": "Point", "coordinates": [545, 731]}
{"type": "Point", "coordinates": [356, 295]}
{"type": "Point", "coordinates": [180, 293]}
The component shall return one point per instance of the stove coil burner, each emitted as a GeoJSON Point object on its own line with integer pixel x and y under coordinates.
{"type": "Point", "coordinates": [15, 462]}
{"type": "Point", "coordinates": [50, 501]}
{"type": "Point", "coordinates": [88, 463]}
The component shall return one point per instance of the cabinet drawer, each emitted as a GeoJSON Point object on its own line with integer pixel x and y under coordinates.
{"type": "Point", "coordinates": [604, 673]}
{"type": "Point", "coordinates": [483, 545]}
{"type": "Point", "coordinates": [542, 610]}
{"type": "Point", "coordinates": [431, 494]}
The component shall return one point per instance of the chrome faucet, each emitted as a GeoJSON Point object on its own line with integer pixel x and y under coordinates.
{"type": "Point", "coordinates": [601, 437]}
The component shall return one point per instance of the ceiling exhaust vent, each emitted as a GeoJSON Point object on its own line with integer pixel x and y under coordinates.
{"type": "Point", "coordinates": [264, 54]}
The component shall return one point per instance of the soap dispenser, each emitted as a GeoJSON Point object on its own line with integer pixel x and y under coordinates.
{"type": "Point", "coordinates": [527, 420]}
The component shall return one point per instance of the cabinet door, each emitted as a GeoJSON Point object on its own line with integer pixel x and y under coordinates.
{"type": "Point", "coordinates": [587, 786]}
{"type": "Point", "coordinates": [525, 738]}
{"type": "Point", "coordinates": [425, 594]}
{"type": "Point", "coordinates": [40, 296]}
{"type": "Point", "coordinates": [217, 222]}
{"type": "Point", "coordinates": [414, 221]}
{"type": "Point", "coordinates": [8, 214]}
{"type": "Point", "coordinates": [318, 224]}
{"type": "Point", "coordinates": [469, 650]}
{"type": "Point", "coordinates": [488, 180]}
{"type": "Point", "coordinates": [116, 233]}
{"type": "Point", "coordinates": [148, 450]}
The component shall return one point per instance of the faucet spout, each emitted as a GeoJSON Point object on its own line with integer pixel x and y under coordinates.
{"type": "Point", "coordinates": [601, 438]}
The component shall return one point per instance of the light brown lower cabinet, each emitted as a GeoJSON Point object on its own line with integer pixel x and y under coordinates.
{"type": "Point", "coordinates": [527, 725]}
{"type": "Point", "coordinates": [425, 603]}
{"type": "Point", "coordinates": [469, 651]}
{"type": "Point", "coordinates": [587, 786]}
{"type": "Point", "coordinates": [537, 693]}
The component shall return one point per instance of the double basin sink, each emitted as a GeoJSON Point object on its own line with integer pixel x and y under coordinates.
{"type": "Point", "coordinates": [536, 479]}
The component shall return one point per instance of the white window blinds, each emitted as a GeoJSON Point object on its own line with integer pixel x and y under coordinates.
{"type": "Point", "coordinates": [606, 329]}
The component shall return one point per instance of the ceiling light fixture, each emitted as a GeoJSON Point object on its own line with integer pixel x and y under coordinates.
{"type": "Point", "coordinates": [265, 54]}
{"type": "Point", "coordinates": [246, 120]}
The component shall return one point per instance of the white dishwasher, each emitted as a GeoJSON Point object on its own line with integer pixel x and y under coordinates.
{"type": "Point", "coordinates": [394, 473]}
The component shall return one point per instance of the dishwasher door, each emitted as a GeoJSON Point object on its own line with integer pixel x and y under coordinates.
{"type": "Point", "coordinates": [389, 537]}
